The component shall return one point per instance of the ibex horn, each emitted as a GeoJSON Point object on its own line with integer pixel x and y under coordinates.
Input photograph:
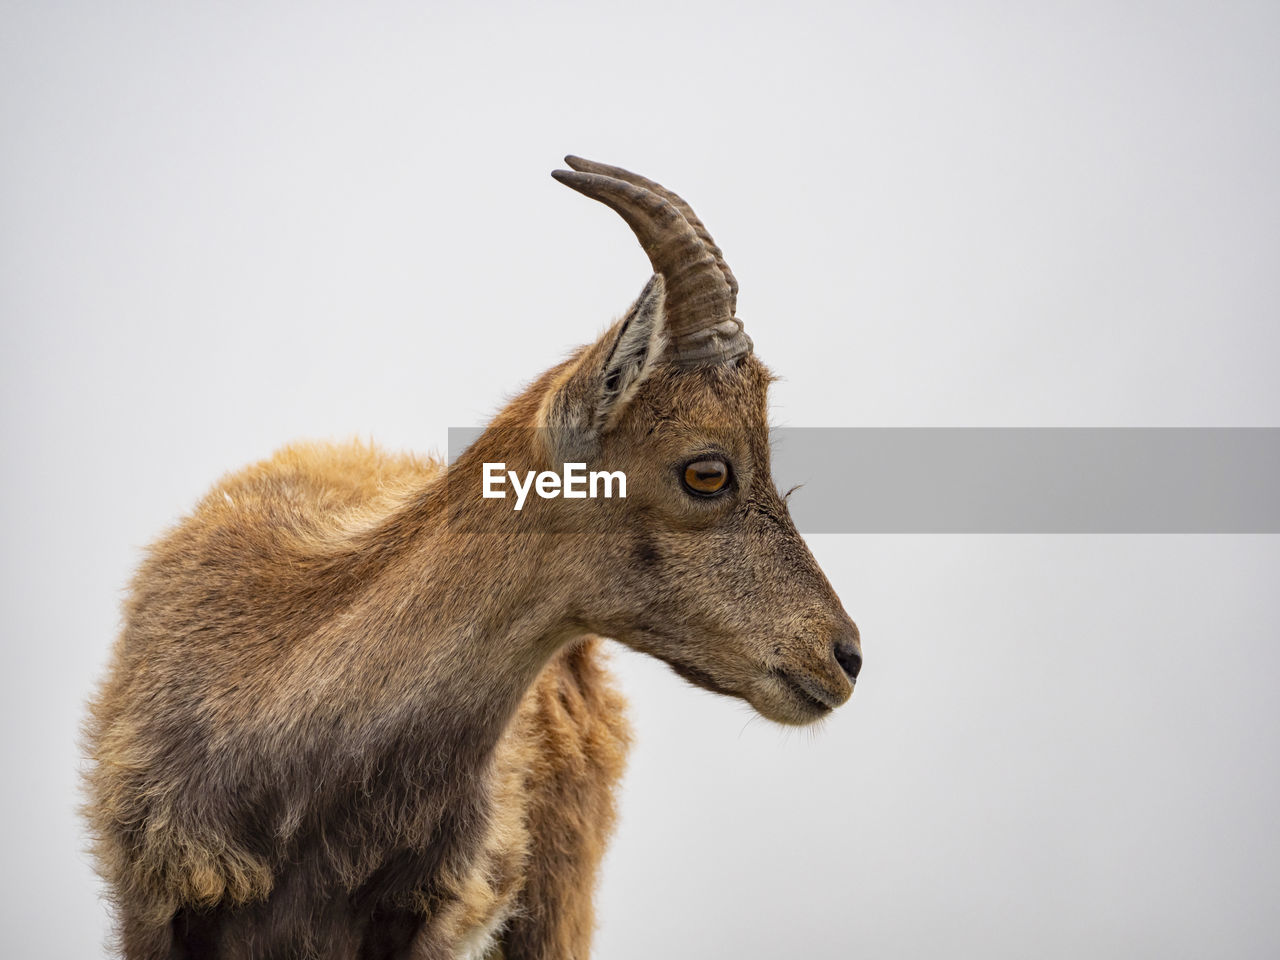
{"type": "Point", "coordinates": [590, 166]}
{"type": "Point", "coordinates": [701, 327]}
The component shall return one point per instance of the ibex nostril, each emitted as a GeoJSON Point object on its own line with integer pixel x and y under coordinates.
{"type": "Point", "coordinates": [848, 656]}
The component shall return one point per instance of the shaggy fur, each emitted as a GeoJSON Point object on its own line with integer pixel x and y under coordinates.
{"type": "Point", "coordinates": [256, 793]}
{"type": "Point", "coordinates": [357, 711]}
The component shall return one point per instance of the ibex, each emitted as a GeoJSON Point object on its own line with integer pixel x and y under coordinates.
{"type": "Point", "coordinates": [359, 711]}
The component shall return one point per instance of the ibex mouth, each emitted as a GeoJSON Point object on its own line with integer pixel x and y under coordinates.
{"type": "Point", "coordinates": [806, 691]}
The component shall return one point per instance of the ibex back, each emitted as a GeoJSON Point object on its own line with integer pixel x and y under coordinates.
{"type": "Point", "coordinates": [358, 712]}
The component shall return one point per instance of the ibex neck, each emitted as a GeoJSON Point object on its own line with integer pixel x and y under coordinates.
{"type": "Point", "coordinates": [464, 616]}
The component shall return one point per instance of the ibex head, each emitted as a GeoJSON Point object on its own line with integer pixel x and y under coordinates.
{"type": "Point", "coordinates": [700, 565]}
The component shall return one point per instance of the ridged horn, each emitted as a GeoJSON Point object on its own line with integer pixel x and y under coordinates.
{"type": "Point", "coordinates": [700, 228]}
{"type": "Point", "coordinates": [701, 327]}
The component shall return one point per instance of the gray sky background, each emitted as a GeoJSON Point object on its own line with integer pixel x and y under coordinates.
{"type": "Point", "coordinates": [223, 229]}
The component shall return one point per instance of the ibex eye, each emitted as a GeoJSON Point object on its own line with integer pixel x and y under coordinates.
{"type": "Point", "coordinates": [706, 477]}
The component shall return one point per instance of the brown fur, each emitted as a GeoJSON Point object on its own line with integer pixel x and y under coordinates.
{"type": "Point", "coordinates": [356, 711]}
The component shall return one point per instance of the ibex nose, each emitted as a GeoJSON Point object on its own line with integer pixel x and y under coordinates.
{"type": "Point", "coordinates": [848, 651]}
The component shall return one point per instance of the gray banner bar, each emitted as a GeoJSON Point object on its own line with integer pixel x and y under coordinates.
{"type": "Point", "coordinates": [1035, 480]}
{"type": "Point", "coordinates": [1025, 480]}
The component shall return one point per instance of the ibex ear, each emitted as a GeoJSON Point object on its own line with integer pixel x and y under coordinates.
{"type": "Point", "coordinates": [588, 399]}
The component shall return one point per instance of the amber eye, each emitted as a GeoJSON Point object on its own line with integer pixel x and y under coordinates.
{"type": "Point", "coordinates": [706, 477]}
